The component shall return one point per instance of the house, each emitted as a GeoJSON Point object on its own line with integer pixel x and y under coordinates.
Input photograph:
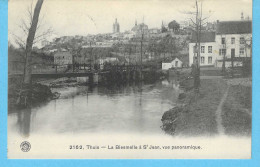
{"type": "Point", "coordinates": [231, 42]}
{"type": "Point", "coordinates": [208, 49]}
{"type": "Point", "coordinates": [234, 39]}
{"type": "Point", "coordinates": [175, 63]}
{"type": "Point", "coordinates": [62, 59]}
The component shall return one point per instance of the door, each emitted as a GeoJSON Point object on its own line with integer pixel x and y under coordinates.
{"type": "Point", "coordinates": [232, 57]}
{"type": "Point", "coordinates": [232, 53]}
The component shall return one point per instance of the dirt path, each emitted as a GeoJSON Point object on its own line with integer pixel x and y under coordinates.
{"type": "Point", "coordinates": [219, 111]}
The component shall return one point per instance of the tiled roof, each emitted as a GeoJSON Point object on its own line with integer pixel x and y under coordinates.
{"type": "Point", "coordinates": [169, 60]}
{"type": "Point", "coordinates": [234, 27]}
{"type": "Point", "coordinates": [205, 36]}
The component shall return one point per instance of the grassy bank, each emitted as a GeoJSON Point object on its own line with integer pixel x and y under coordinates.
{"type": "Point", "coordinates": [196, 112]}
{"type": "Point", "coordinates": [237, 111]}
{"type": "Point", "coordinates": [21, 96]}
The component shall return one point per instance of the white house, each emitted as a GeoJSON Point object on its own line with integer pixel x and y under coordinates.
{"type": "Point", "coordinates": [175, 63]}
{"type": "Point", "coordinates": [208, 49]}
{"type": "Point", "coordinates": [234, 39]}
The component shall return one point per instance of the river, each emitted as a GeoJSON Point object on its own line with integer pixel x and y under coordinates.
{"type": "Point", "coordinates": [135, 108]}
{"type": "Point", "coordinates": [108, 116]}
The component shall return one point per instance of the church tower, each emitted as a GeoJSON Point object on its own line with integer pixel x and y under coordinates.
{"type": "Point", "coordinates": [116, 27]}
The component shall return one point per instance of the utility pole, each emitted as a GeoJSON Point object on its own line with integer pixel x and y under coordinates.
{"type": "Point", "coordinates": [142, 38]}
{"type": "Point", "coordinates": [198, 32]}
{"type": "Point", "coordinates": [91, 58]}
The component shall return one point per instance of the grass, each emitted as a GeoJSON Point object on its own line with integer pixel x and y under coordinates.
{"type": "Point", "coordinates": [210, 71]}
{"type": "Point", "coordinates": [237, 111]}
{"type": "Point", "coordinates": [198, 116]}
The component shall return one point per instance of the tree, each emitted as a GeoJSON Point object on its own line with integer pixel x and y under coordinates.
{"type": "Point", "coordinates": [32, 31]}
{"type": "Point", "coordinates": [29, 42]}
{"type": "Point", "coordinates": [197, 26]}
{"type": "Point", "coordinates": [174, 26]}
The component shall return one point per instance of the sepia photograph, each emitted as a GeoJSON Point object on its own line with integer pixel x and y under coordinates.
{"type": "Point", "coordinates": [129, 79]}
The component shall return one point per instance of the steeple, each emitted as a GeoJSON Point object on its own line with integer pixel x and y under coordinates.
{"type": "Point", "coordinates": [242, 16]}
{"type": "Point", "coordinates": [135, 22]}
{"type": "Point", "coordinates": [116, 27]}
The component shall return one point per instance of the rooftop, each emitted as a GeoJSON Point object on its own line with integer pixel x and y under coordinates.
{"type": "Point", "coordinates": [205, 36]}
{"type": "Point", "coordinates": [234, 27]}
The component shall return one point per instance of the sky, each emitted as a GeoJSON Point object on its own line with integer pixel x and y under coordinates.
{"type": "Point", "coordinates": [82, 17]}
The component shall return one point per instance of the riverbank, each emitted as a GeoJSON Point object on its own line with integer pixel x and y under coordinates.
{"type": "Point", "coordinates": [22, 96]}
{"type": "Point", "coordinates": [197, 113]}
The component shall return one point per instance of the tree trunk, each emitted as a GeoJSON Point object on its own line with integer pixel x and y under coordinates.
{"type": "Point", "coordinates": [224, 64]}
{"type": "Point", "coordinates": [29, 42]}
{"type": "Point", "coordinates": [232, 66]}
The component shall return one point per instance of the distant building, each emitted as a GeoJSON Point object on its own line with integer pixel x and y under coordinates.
{"type": "Point", "coordinates": [184, 25]}
{"type": "Point", "coordinates": [174, 63]}
{"type": "Point", "coordinates": [140, 29]}
{"type": "Point", "coordinates": [62, 59]}
{"type": "Point", "coordinates": [154, 32]}
{"type": "Point", "coordinates": [45, 42]}
{"type": "Point", "coordinates": [129, 35]}
{"type": "Point", "coordinates": [116, 27]}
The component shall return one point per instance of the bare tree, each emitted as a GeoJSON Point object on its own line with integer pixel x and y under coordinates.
{"type": "Point", "coordinates": [197, 26]}
{"type": "Point", "coordinates": [29, 42]}
{"type": "Point", "coordinates": [33, 31]}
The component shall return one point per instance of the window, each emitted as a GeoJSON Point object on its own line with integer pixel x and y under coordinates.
{"type": "Point", "coordinates": [202, 49]}
{"type": "Point", "coordinates": [202, 60]}
{"type": "Point", "coordinates": [209, 49]}
{"type": "Point", "coordinates": [233, 40]}
{"type": "Point", "coordinates": [241, 51]}
{"type": "Point", "coordinates": [223, 40]}
{"type": "Point", "coordinates": [242, 40]}
{"type": "Point", "coordinates": [222, 51]}
{"type": "Point", "coordinates": [210, 60]}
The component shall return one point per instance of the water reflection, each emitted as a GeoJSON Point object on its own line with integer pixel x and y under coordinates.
{"type": "Point", "coordinates": [24, 122]}
{"type": "Point", "coordinates": [133, 108]}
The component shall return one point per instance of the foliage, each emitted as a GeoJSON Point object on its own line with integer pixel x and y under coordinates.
{"type": "Point", "coordinates": [174, 25]}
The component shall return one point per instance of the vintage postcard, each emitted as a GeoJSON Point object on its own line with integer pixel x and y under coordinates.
{"type": "Point", "coordinates": [129, 79]}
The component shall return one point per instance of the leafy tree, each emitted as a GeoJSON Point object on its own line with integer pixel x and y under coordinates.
{"type": "Point", "coordinates": [174, 26]}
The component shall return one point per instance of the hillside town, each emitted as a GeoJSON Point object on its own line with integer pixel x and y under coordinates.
{"type": "Point", "coordinates": [180, 77]}
{"type": "Point", "coordinates": [170, 46]}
